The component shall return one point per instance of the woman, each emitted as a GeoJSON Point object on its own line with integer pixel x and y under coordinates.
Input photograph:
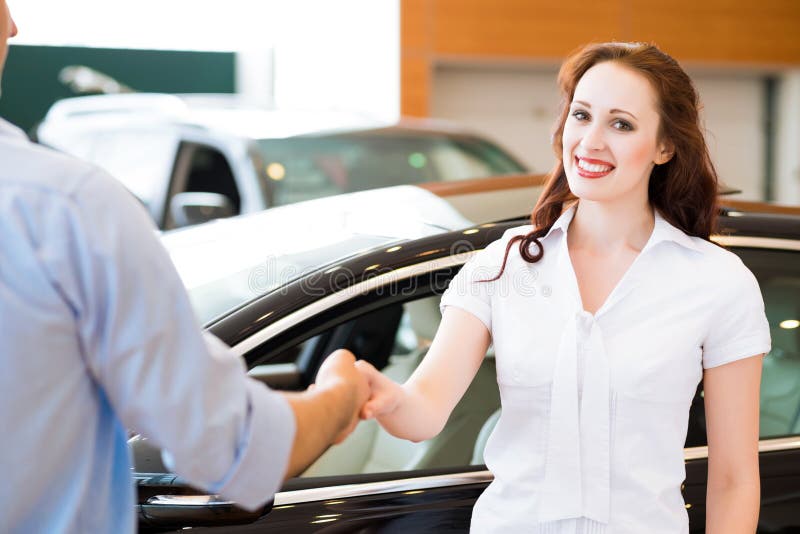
{"type": "Point", "coordinates": [606, 313]}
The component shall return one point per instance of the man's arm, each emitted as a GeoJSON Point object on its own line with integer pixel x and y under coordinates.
{"type": "Point", "coordinates": [141, 343]}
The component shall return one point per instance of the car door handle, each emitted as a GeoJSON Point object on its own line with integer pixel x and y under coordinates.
{"type": "Point", "coordinates": [194, 511]}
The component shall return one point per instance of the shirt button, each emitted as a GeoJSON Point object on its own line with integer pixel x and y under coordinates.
{"type": "Point", "coordinates": [516, 375]}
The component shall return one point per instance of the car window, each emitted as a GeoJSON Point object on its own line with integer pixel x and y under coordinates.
{"type": "Point", "coordinates": [210, 172]}
{"type": "Point", "coordinates": [466, 159]}
{"type": "Point", "coordinates": [370, 449]}
{"type": "Point", "coordinates": [778, 274]}
{"type": "Point", "coordinates": [201, 169]}
{"type": "Point", "coordinates": [303, 168]}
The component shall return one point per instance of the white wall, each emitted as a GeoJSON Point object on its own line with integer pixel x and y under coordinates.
{"type": "Point", "coordinates": [514, 105]}
{"type": "Point", "coordinates": [151, 24]}
{"type": "Point", "coordinates": [517, 106]}
{"type": "Point", "coordinates": [733, 111]}
{"type": "Point", "coordinates": [339, 55]}
{"type": "Point", "coordinates": [300, 53]}
{"type": "Point", "coordinates": [787, 139]}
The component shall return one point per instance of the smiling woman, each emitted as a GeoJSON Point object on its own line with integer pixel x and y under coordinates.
{"type": "Point", "coordinates": [604, 317]}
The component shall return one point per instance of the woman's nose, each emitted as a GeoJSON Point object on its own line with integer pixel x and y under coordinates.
{"type": "Point", "coordinates": [593, 137]}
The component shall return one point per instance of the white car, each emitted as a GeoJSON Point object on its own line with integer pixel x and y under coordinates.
{"type": "Point", "coordinates": [193, 158]}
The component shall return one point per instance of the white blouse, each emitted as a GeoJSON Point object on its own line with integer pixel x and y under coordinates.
{"type": "Point", "coordinates": [595, 408]}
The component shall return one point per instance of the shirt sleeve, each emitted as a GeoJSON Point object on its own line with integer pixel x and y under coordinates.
{"type": "Point", "coordinates": [185, 391]}
{"type": "Point", "coordinates": [738, 327]}
{"type": "Point", "coordinates": [469, 290]}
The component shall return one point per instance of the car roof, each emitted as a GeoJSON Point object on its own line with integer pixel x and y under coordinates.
{"type": "Point", "coordinates": [231, 114]}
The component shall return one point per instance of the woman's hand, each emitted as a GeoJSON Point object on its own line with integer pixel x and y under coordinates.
{"type": "Point", "coordinates": [418, 409]}
{"type": "Point", "coordinates": [386, 394]}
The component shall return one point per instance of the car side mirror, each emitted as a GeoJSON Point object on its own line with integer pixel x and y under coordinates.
{"type": "Point", "coordinates": [187, 209]}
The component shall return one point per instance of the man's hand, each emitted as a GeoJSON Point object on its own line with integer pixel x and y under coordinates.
{"type": "Point", "coordinates": [339, 371]}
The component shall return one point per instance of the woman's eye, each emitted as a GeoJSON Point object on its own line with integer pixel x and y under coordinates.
{"type": "Point", "coordinates": [580, 115]}
{"type": "Point", "coordinates": [620, 124]}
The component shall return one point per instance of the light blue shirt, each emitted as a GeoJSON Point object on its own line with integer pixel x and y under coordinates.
{"type": "Point", "coordinates": [97, 336]}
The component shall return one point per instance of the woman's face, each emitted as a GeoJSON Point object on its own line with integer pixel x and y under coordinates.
{"type": "Point", "coordinates": [610, 139]}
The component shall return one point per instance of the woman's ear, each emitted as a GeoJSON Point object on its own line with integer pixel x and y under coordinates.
{"type": "Point", "coordinates": [665, 152]}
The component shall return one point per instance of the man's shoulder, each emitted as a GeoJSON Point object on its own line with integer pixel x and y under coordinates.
{"type": "Point", "coordinates": [30, 166]}
{"type": "Point", "coordinates": [32, 173]}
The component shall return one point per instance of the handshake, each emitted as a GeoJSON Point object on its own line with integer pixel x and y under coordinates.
{"type": "Point", "coordinates": [366, 393]}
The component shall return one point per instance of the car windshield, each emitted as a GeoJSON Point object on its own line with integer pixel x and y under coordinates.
{"type": "Point", "coordinates": [301, 168]}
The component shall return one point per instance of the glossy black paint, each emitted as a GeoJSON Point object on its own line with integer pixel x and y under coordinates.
{"type": "Point", "coordinates": [331, 278]}
{"type": "Point", "coordinates": [436, 510]}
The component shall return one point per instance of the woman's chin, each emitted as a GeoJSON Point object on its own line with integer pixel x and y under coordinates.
{"type": "Point", "coordinates": [587, 191]}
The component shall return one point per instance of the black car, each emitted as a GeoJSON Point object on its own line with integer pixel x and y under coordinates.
{"type": "Point", "coordinates": [381, 302]}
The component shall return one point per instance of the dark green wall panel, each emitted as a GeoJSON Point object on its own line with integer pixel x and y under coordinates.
{"type": "Point", "coordinates": [30, 80]}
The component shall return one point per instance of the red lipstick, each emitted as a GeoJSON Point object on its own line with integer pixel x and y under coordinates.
{"type": "Point", "coordinates": [585, 173]}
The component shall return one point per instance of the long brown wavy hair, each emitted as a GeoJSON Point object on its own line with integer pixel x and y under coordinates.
{"type": "Point", "coordinates": [684, 189]}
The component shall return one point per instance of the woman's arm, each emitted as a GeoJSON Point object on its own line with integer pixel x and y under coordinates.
{"type": "Point", "coordinates": [419, 409]}
{"type": "Point", "coordinates": [732, 408]}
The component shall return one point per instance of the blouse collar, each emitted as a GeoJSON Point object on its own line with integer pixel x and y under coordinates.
{"type": "Point", "coordinates": [663, 230]}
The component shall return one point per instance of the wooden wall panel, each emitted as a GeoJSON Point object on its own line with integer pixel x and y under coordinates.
{"type": "Point", "coordinates": [716, 32]}
{"type": "Point", "coordinates": [522, 28]}
{"type": "Point", "coordinates": [415, 25]}
{"type": "Point", "coordinates": [415, 57]}
{"type": "Point", "coordinates": [415, 90]}
{"type": "Point", "coordinates": [721, 31]}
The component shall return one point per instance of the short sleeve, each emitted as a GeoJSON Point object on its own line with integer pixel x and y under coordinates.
{"type": "Point", "coordinates": [738, 326]}
{"type": "Point", "coordinates": [471, 290]}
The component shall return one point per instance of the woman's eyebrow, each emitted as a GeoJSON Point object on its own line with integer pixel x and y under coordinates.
{"type": "Point", "coordinates": [615, 110]}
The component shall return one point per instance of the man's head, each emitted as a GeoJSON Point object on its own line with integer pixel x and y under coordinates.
{"type": "Point", "coordinates": [7, 30]}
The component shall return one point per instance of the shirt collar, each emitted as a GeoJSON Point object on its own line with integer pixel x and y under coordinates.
{"type": "Point", "coordinates": [663, 230]}
{"type": "Point", "coordinates": [562, 223]}
{"type": "Point", "coordinates": [8, 129]}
